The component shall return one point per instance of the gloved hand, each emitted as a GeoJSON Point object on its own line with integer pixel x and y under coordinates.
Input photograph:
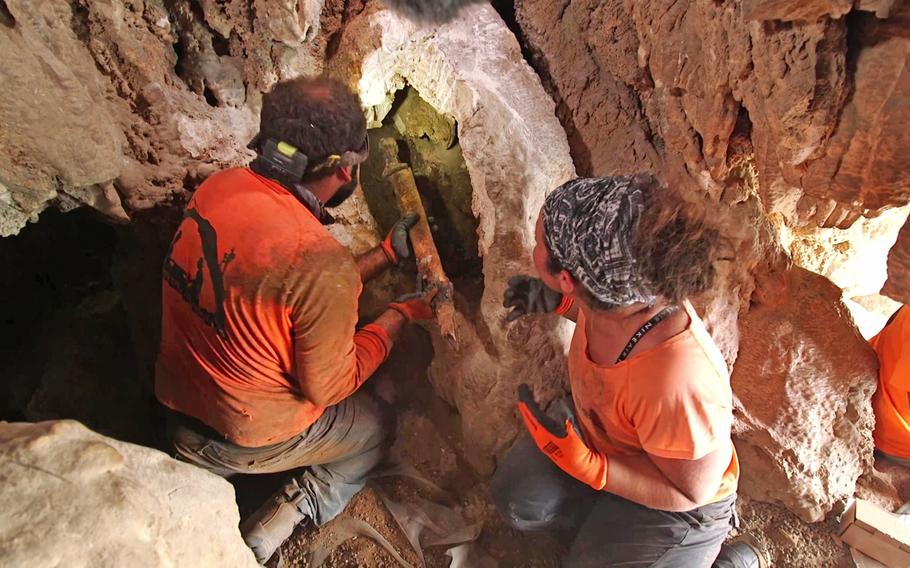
{"type": "Point", "coordinates": [396, 244]}
{"type": "Point", "coordinates": [562, 444]}
{"type": "Point", "coordinates": [417, 306]}
{"type": "Point", "coordinates": [527, 295]}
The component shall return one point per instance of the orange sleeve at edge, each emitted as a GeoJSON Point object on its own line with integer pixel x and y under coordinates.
{"type": "Point", "coordinates": [372, 344]}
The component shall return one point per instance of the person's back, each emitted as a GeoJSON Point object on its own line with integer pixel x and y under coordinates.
{"type": "Point", "coordinates": [261, 363]}
{"type": "Point", "coordinates": [246, 255]}
{"type": "Point", "coordinates": [891, 401]}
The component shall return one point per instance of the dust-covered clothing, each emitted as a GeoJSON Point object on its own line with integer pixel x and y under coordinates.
{"type": "Point", "coordinates": [891, 401]}
{"type": "Point", "coordinates": [259, 313]}
{"type": "Point", "coordinates": [532, 493]}
{"type": "Point", "coordinates": [672, 401]}
{"type": "Point", "coordinates": [338, 452]}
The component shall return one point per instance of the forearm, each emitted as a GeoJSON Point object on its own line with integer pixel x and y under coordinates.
{"type": "Point", "coordinates": [392, 321]}
{"type": "Point", "coordinates": [371, 263]}
{"type": "Point", "coordinates": [636, 478]}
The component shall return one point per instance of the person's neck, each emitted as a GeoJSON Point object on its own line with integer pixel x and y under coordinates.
{"type": "Point", "coordinates": [619, 320]}
{"type": "Point", "coordinates": [322, 189]}
{"type": "Point", "coordinates": [608, 331]}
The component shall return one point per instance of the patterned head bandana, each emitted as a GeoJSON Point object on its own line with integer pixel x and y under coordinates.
{"type": "Point", "coordinates": [588, 224]}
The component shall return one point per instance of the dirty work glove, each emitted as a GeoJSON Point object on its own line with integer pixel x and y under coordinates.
{"type": "Point", "coordinates": [561, 443]}
{"type": "Point", "coordinates": [417, 306]}
{"type": "Point", "coordinates": [529, 295]}
{"type": "Point", "coordinates": [396, 244]}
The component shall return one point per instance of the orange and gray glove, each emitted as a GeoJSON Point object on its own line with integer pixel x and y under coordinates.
{"type": "Point", "coordinates": [529, 295]}
{"type": "Point", "coordinates": [562, 443]}
{"type": "Point", "coordinates": [417, 306]}
{"type": "Point", "coordinates": [396, 244]}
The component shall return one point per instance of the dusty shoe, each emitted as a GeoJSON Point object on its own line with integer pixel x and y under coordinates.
{"type": "Point", "coordinates": [273, 522]}
{"type": "Point", "coordinates": [745, 551]}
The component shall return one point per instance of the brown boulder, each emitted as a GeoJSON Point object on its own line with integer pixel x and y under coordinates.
{"type": "Point", "coordinates": [803, 380]}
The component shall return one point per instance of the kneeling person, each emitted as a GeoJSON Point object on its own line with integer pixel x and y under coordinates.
{"type": "Point", "coordinates": [260, 363]}
{"type": "Point", "coordinates": [640, 461]}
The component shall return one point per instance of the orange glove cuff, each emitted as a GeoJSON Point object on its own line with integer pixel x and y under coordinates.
{"type": "Point", "coordinates": [389, 251]}
{"type": "Point", "coordinates": [413, 310]}
{"type": "Point", "coordinates": [565, 305]}
{"type": "Point", "coordinates": [569, 453]}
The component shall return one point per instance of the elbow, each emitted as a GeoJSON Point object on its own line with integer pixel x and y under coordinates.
{"type": "Point", "coordinates": [696, 496]}
{"type": "Point", "coordinates": [323, 400]}
{"type": "Point", "coordinates": [699, 498]}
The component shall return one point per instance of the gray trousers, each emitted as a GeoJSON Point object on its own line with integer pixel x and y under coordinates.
{"type": "Point", "coordinates": [532, 493]}
{"type": "Point", "coordinates": [338, 451]}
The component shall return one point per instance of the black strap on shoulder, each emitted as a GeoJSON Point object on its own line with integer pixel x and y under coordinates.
{"type": "Point", "coordinates": [643, 330]}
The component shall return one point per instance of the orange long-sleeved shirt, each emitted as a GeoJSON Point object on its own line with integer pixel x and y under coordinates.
{"type": "Point", "coordinates": [259, 313]}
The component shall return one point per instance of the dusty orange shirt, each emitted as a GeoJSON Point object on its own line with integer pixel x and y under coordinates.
{"type": "Point", "coordinates": [890, 401]}
{"type": "Point", "coordinates": [259, 308]}
{"type": "Point", "coordinates": [671, 401]}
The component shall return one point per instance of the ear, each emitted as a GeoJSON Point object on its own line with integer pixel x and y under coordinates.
{"type": "Point", "coordinates": [567, 283]}
{"type": "Point", "coordinates": [344, 174]}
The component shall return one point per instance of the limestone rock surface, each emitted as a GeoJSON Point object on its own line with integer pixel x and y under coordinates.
{"type": "Point", "coordinates": [54, 136]}
{"type": "Point", "coordinates": [822, 116]}
{"type": "Point", "coordinates": [515, 151]}
{"type": "Point", "coordinates": [804, 422]}
{"type": "Point", "coordinates": [126, 106]}
{"type": "Point", "coordinates": [898, 285]}
{"type": "Point", "coordinates": [71, 497]}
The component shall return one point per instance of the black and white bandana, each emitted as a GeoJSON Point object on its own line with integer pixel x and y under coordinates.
{"type": "Point", "coordinates": [588, 224]}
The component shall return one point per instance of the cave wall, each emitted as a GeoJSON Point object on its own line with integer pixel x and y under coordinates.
{"type": "Point", "coordinates": [125, 105]}
{"type": "Point", "coordinates": [782, 114]}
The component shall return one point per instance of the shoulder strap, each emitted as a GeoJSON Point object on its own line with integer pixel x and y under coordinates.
{"type": "Point", "coordinates": [649, 325]}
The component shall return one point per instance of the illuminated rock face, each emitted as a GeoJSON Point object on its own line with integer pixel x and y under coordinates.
{"type": "Point", "coordinates": [802, 381]}
{"type": "Point", "coordinates": [73, 497]}
{"type": "Point", "coordinates": [515, 151]}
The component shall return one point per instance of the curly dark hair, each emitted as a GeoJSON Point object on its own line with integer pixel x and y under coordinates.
{"type": "Point", "coordinates": [431, 11]}
{"type": "Point", "coordinates": [675, 246]}
{"type": "Point", "coordinates": [318, 115]}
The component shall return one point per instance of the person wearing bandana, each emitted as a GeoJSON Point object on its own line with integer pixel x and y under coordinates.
{"type": "Point", "coordinates": [638, 464]}
{"type": "Point", "coordinates": [261, 360]}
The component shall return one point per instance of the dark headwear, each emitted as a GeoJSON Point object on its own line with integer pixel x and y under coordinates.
{"type": "Point", "coordinates": [588, 226]}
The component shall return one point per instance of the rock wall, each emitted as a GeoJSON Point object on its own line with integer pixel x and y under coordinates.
{"type": "Point", "coordinates": [73, 497]}
{"type": "Point", "coordinates": [124, 105]}
{"type": "Point", "coordinates": [515, 151]}
{"type": "Point", "coordinates": [782, 116]}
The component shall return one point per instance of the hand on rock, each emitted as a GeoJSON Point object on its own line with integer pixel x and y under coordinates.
{"type": "Point", "coordinates": [527, 295]}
